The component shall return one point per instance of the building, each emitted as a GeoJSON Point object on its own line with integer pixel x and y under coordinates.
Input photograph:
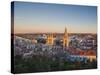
{"type": "Point", "coordinates": [87, 43]}
{"type": "Point", "coordinates": [84, 58]}
{"type": "Point", "coordinates": [65, 38]}
{"type": "Point", "coordinates": [50, 39]}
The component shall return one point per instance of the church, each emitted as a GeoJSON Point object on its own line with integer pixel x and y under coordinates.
{"type": "Point", "coordinates": [50, 39]}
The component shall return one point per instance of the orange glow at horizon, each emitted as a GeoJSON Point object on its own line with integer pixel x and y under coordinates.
{"type": "Point", "coordinates": [51, 29]}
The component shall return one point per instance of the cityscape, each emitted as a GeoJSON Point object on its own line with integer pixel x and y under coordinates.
{"type": "Point", "coordinates": [54, 46]}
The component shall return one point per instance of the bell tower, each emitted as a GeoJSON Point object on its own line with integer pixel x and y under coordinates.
{"type": "Point", "coordinates": [65, 38]}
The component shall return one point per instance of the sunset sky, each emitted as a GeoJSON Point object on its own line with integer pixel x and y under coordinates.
{"type": "Point", "coordinates": [40, 17]}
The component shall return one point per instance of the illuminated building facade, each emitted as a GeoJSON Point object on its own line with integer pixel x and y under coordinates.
{"type": "Point", "coordinates": [50, 39]}
{"type": "Point", "coordinates": [65, 38]}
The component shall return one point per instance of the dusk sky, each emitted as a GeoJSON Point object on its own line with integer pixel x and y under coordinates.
{"type": "Point", "coordinates": [40, 17]}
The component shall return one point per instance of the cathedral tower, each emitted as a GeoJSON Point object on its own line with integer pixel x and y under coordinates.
{"type": "Point", "coordinates": [65, 38]}
{"type": "Point", "coordinates": [50, 39]}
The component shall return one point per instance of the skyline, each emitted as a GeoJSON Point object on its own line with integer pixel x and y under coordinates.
{"type": "Point", "coordinates": [44, 17]}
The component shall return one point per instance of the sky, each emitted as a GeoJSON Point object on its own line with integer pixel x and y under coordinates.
{"type": "Point", "coordinates": [42, 18]}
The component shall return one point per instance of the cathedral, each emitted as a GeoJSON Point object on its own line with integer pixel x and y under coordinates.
{"type": "Point", "coordinates": [50, 39]}
{"type": "Point", "coordinates": [65, 38]}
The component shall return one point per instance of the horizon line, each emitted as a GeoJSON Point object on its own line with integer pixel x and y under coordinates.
{"type": "Point", "coordinates": [54, 32]}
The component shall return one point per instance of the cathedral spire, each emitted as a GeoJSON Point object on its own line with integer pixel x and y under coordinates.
{"type": "Point", "coordinates": [65, 33]}
{"type": "Point", "coordinates": [65, 30]}
{"type": "Point", "coordinates": [65, 38]}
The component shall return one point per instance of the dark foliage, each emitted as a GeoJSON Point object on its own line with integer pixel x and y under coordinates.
{"type": "Point", "coordinates": [44, 64]}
